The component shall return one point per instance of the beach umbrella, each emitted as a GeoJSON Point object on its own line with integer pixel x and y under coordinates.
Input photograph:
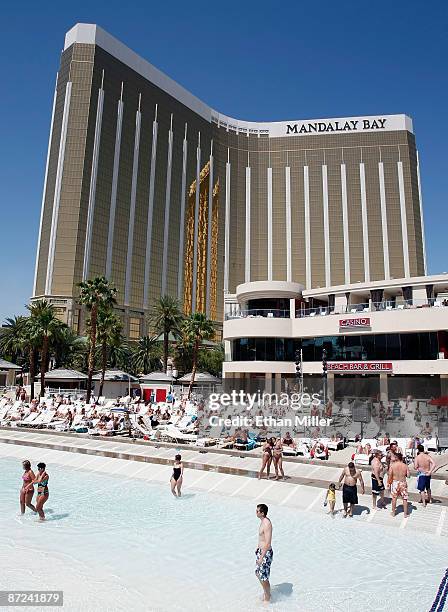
{"type": "Point", "coordinates": [440, 401]}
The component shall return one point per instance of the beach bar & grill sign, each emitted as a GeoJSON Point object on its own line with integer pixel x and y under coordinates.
{"type": "Point", "coordinates": [359, 366]}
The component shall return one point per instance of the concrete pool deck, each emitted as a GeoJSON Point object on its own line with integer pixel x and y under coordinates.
{"type": "Point", "coordinates": [222, 473]}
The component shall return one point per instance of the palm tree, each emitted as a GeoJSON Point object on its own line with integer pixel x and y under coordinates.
{"type": "Point", "coordinates": [197, 328]}
{"type": "Point", "coordinates": [13, 341]}
{"type": "Point", "coordinates": [44, 327]}
{"type": "Point", "coordinates": [109, 335]}
{"type": "Point", "coordinates": [164, 317]}
{"type": "Point", "coordinates": [146, 355]}
{"type": "Point", "coordinates": [70, 350]}
{"type": "Point", "coordinates": [12, 338]}
{"type": "Point", "coordinates": [94, 294]}
{"type": "Point", "coordinates": [211, 359]}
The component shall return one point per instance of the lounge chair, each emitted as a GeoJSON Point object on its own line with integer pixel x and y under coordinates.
{"type": "Point", "coordinates": [246, 446]}
{"type": "Point", "coordinates": [31, 419]}
{"type": "Point", "coordinates": [333, 445]}
{"type": "Point", "coordinates": [45, 420]}
{"type": "Point", "coordinates": [289, 451]}
{"type": "Point", "coordinates": [179, 436]}
{"type": "Point", "coordinates": [4, 411]}
{"type": "Point", "coordinates": [431, 444]}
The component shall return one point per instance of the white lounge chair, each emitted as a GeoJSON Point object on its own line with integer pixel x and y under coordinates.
{"type": "Point", "coordinates": [179, 436]}
{"type": "Point", "coordinates": [4, 411]}
{"type": "Point", "coordinates": [48, 417]}
{"type": "Point", "coordinates": [431, 444]}
{"type": "Point", "coordinates": [29, 420]}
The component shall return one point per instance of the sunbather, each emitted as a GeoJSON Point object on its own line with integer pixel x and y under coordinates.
{"type": "Point", "coordinates": [377, 480]}
{"type": "Point", "coordinates": [42, 489]}
{"type": "Point", "coordinates": [350, 476]}
{"type": "Point", "coordinates": [177, 476]}
{"type": "Point", "coordinates": [425, 465]}
{"type": "Point", "coordinates": [266, 458]}
{"type": "Point", "coordinates": [26, 494]}
{"type": "Point", "coordinates": [278, 458]}
{"type": "Point", "coordinates": [397, 475]}
{"type": "Point", "coordinates": [288, 441]}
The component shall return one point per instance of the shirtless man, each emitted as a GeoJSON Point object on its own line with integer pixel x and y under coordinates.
{"type": "Point", "coordinates": [377, 480]}
{"type": "Point", "coordinates": [350, 475]}
{"type": "Point", "coordinates": [264, 553]}
{"type": "Point", "coordinates": [426, 431]}
{"type": "Point", "coordinates": [398, 473]}
{"type": "Point", "coordinates": [425, 466]}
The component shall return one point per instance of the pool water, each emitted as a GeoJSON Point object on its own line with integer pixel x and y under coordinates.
{"type": "Point", "coordinates": [114, 543]}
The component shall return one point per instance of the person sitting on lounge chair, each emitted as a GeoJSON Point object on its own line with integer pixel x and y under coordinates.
{"type": "Point", "coordinates": [288, 441]}
{"type": "Point", "coordinates": [426, 431]}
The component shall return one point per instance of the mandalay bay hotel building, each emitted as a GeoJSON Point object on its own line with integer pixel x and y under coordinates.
{"type": "Point", "coordinates": [293, 234]}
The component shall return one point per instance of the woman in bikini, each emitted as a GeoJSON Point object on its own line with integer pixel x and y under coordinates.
{"type": "Point", "coordinates": [266, 458]}
{"type": "Point", "coordinates": [177, 476]}
{"type": "Point", "coordinates": [26, 495]}
{"type": "Point", "coordinates": [42, 489]}
{"type": "Point", "coordinates": [278, 458]}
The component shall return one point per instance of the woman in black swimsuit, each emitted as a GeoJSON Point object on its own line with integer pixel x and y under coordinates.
{"type": "Point", "coordinates": [177, 477]}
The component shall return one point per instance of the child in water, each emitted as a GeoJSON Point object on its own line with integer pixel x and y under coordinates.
{"type": "Point", "coordinates": [330, 498]}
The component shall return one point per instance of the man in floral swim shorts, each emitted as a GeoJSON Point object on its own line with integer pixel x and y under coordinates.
{"type": "Point", "coordinates": [264, 553]}
{"type": "Point", "coordinates": [397, 475]}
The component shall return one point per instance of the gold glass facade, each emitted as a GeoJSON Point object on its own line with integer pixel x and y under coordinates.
{"type": "Point", "coordinates": [121, 200]}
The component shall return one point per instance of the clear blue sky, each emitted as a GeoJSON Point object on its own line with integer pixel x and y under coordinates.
{"type": "Point", "coordinates": [253, 60]}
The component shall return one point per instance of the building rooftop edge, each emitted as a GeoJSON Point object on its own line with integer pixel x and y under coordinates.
{"type": "Point", "coordinates": [87, 33]}
{"type": "Point", "coordinates": [379, 284]}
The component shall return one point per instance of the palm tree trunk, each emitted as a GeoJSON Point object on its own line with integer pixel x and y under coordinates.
{"type": "Point", "coordinates": [165, 350]}
{"type": "Point", "coordinates": [91, 366]}
{"type": "Point", "coordinates": [32, 368]}
{"type": "Point", "coordinates": [103, 367]}
{"type": "Point", "coordinates": [43, 365]}
{"type": "Point", "coordinates": [193, 369]}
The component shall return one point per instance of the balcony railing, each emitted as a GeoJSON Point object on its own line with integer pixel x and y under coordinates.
{"type": "Point", "coordinates": [270, 313]}
{"type": "Point", "coordinates": [360, 309]}
{"type": "Point", "coordinates": [352, 309]}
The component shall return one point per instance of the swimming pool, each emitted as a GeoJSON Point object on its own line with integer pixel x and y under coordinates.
{"type": "Point", "coordinates": [114, 543]}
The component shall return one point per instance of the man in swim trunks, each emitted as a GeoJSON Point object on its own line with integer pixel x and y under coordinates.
{"type": "Point", "coordinates": [264, 553]}
{"type": "Point", "coordinates": [350, 476]}
{"type": "Point", "coordinates": [398, 473]}
{"type": "Point", "coordinates": [377, 480]}
{"type": "Point", "coordinates": [425, 465]}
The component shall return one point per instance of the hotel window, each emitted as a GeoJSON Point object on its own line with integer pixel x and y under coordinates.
{"type": "Point", "coordinates": [134, 328]}
{"type": "Point", "coordinates": [75, 321]}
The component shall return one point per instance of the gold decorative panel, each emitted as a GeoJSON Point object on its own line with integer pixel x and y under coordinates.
{"type": "Point", "coordinates": [202, 244]}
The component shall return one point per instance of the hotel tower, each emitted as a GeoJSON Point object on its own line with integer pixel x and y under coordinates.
{"type": "Point", "coordinates": [149, 186]}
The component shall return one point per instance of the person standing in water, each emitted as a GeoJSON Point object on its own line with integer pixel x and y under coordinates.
{"type": "Point", "coordinates": [278, 459]}
{"type": "Point", "coordinates": [264, 553]}
{"type": "Point", "coordinates": [177, 477]}
{"type": "Point", "coordinates": [266, 458]}
{"type": "Point", "coordinates": [42, 489]}
{"type": "Point", "coordinates": [350, 476]}
{"type": "Point", "coordinates": [26, 494]}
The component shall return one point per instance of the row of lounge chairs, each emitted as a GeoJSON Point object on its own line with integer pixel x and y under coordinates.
{"type": "Point", "coordinates": [430, 444]}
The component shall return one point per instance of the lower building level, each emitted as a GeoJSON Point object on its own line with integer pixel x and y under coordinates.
{"type": "Point", "coordinates": [387, 339]}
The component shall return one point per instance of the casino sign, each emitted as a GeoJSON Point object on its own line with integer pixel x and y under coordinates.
{"type": "Point", "coordinates": [354, 323]}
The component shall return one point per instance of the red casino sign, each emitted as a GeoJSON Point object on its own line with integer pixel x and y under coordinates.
{"type": "Point", "coordinates": [358, 322]}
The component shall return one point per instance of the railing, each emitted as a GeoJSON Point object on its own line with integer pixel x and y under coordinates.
{"type": "Point", "coordinates": [351, 309]}
{"type": "Point", "coordinates": [360, 309]}
{"type": "Point", "coordinates": [259, 312]}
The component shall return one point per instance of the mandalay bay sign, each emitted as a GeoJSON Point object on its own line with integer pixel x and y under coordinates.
{"type": "Point", "coordinates": [349, 125]}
